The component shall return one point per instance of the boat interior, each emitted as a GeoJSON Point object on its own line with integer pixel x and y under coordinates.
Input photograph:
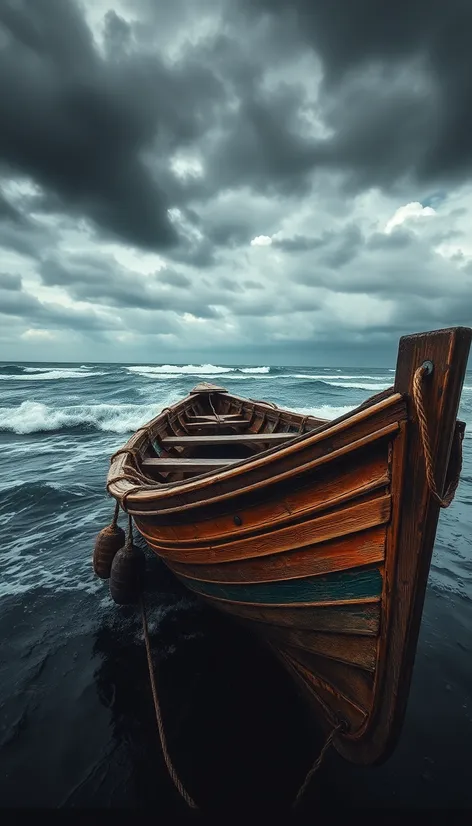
{"type": "Point", "coordinates": [212, 429]}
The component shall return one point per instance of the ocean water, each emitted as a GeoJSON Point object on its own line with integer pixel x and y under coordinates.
{"type": "Point", "coordinates": [77, 725]}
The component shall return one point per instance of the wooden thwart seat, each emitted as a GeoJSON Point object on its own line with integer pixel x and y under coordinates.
{"type": "Point", "coordinates": [212, 422]}
{"type": "Point", "coordinates": [226, 417]}
{"type": "Point", "coordinates": [185, 465]}
{"type": "Point", "coordinates": [232, 439]}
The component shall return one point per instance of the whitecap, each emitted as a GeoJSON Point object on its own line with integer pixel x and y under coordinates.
{"type": "Point", "coordinates": [50, 375]}
{"type": "Point", "coordinates": [181, 370]}
{"type": "Point", "coordinates": [36, 417]}
{"type": "Point", "coordinates": [258, 370]}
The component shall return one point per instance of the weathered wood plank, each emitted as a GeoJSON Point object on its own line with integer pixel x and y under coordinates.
{"type": "Point", "coordinates": [355, 651]}
{"type": "Point", "coordinates": [212, 419]}
{"type": "Point", "coordinates": [329, 487]}
{"type": "Point", "coordinates": [337, 555]}
{"type": "Point", "coordinates": [184, 465]}
{"type": "Point", "coordinates": [205, 387]}
{"type": "Point", "coordinates": [351, 618]}
{"type": "Point", "coordinates": [238, 423]}
{"type": "Point", "coordinates": [227, 439]}
{"type": "Point", "coordinates": [352, 682]}
{"type": "Point", "coordinates": [311, 532]}
{"type": "Point", "coordinates": [339, 704]}
{"type": "Point", "coordinates": [336, 587]}
{"type": "Point", "coordinates": [324, 714]}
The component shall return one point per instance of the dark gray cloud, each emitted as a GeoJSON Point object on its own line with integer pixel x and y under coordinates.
{"type": "Point", "coordinates": [17, 302]}
{"type": "Point", "coordinates": [81, 125]}
{"type": "Point", "coordinates": [337, 248]}
{"type": "Point", "coordinates": [397, 82]}
{"type": "Point", "coordinates": [9, 213]}
{"type": "Point", "coordinates": [97, 129]}
{"type": "Point", "coordinates": [10, 282]}
{"type": "Point", "coordinates": [135, 127]}
{"type": "Point", "coordinates": [93, 279]}
{"type": "Point", "coordinates": [174, 279]}
{"type": "Point", "coordinates": [302, 243]}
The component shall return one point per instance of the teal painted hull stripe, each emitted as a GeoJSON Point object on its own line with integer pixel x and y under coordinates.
{"type": "Point", "coordinates": [336, 587]}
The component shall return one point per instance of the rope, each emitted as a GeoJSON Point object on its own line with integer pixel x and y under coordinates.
{"type": "Point", "coordinates": [144, 429]}
{"type": "Point", "coordinates": [170, 768]}
{"type": "Point", "coordinates": [129, 451]}
{"type": "Point", "coordinates": [124, 498]}
{"type": "Point", "coordinates": [135, 475]}
{"type": "Point", "coordinates": [114, 521]}
{"type": "Point", "coordinates": [316, 765]}
{"type": "Point", "coordinates": [218, 419]}
{"type": "Point", "coordinates": [129, 538]}
{"type": "Point", "coordinates": [456, 451]}
{"type": "Point", "coordinates": [127, 477]}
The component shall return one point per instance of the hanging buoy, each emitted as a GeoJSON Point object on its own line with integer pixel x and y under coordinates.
{"type": "Point", "coordinates": [107, 543]}
{"type": "Point", "coordinates": [127, 572]}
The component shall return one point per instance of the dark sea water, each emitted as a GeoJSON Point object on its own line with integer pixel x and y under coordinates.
{"type": "Point", "coordinates": [77, 726]}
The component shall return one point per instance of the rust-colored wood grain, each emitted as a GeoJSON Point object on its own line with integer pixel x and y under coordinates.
{"type": "Point", "coordinates": [328, 488]}
{"type": "Point", "coordinates": [311, 532]}
{"type": "Point", "coordinates": [338, 555]}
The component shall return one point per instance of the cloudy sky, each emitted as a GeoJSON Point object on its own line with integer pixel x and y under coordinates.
{"type": "Point", "coordinates": [253, 181]}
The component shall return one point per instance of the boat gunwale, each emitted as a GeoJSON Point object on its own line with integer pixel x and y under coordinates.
{"type": "Point", "coordinates": [138, 493]}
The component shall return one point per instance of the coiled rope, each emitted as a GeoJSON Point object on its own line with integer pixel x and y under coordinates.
{"type": "Point", "coordinates": [456, 450]}
{"type": "Point", "coordinates": [165, 751]}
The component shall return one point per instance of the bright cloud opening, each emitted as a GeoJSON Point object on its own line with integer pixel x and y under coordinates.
{"type": "Point", "coordinates": [404, 213]}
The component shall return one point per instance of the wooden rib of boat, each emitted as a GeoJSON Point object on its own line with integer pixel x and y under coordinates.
{"type": "Point", "coordinates": [315, 534]}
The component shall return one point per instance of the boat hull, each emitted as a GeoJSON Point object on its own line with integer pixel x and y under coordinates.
{"type": "Point", "coordinates": [322, 546]}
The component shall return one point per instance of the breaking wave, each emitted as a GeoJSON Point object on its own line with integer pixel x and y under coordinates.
{"type": "Point", "coordinates": [187, 369]}
{"type": "Point", "coordinates": [254, 370]}
{"type": "Point", "coordinates": [174, 371]}
{"type": "Point", "coordinates": [35, 417]}
{"type": "Point", "coordinates": [326, 378]}
{"type": "Point", "coordinates": [40, 374]}
{"type": "Point", "coordinates": [357, 385]}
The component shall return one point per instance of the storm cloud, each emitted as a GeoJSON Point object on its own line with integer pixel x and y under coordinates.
{"type": "Point", "coordinates": [257, 175]}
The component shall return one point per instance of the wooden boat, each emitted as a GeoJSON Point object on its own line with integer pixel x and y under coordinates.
{"type": "Point", "coordinates": [315, 534]}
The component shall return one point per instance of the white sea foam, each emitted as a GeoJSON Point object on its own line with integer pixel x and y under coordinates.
{"type": "Point", "coordinates": [55, 368]}
{"type": "Point", "coordinates": [187, 369]}
{"type": "Point", "coordinates": [35, 417]}
{"type": "Point", "coordinates": [254, 369]}
{"type": "Point", "coordinates": [353, 385]}
{"type": "Point", "coordinates": [156, 376]}
{"type": "Point", "coordinates": [357, 385]}
{"type": "Point", "coordinates": [48, 375]}
{"type": "Point", "coordinates": [325, 377]}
